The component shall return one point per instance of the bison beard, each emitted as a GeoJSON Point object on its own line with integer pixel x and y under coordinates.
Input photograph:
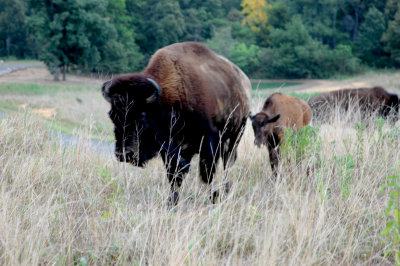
{"type": "Point", "coordinates": [188, 100]}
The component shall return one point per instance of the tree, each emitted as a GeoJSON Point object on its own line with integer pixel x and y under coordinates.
{"type": "Point", "coordinates": [130, 59]}
{"type": "Point", "coordinates": [369, 43]}
{"type": "Point", "coordinates": [255, 12]}
{"type": "Point", "coordinates": [295, 54]}
{"type": "Point", "coordinates": [12, 27]}
{"type": "Point", "coordinates": [246, 57]}
{"type": "Point", "coordinates": [391, 38]}
{"type": "Point", "coordinates": [159, 22]}
{"type": "Point", "coordinates": [80, 33]}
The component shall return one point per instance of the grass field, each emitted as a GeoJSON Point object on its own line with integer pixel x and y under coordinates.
{"type": "Point", "coordinates": [262, 85]}
{"type": "Point", "coordinates": [70, 205]}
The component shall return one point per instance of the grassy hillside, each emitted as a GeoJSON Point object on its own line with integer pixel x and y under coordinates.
{"type": "Point", "coordinates": [65, 205]}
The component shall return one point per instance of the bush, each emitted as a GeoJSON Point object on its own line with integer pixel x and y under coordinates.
{"type": "Point", "coordinates": [294, 54]}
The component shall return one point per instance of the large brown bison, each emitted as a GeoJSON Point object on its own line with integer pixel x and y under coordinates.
{"type": "Point", "coordinates": [278, 113]}
{"type": "Point", "coordinates": [187, 100]}
{"type": "Point", "coordinates": [368, 100]}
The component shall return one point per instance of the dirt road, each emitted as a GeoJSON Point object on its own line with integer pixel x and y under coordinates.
{"type": "Point", "coordinates": [40, 75]}
{"type": "Point", "coordinates": [9, 67]}
{"type": "Point", "coordinates": [390, 81]}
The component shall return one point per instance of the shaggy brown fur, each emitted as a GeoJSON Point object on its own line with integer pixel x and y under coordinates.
{"type": "Point", "coordinates": [200, 105]}
{"type": "Point", "coordinates": [279, 112]}
{"type": "Point", "coordinates": [368, 100]}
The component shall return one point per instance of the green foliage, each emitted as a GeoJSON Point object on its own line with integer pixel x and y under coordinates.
{"type": "Point", "coordinates": [296, 39]}
{"type": "Point", "coordinates": [392, 214]}
{"type": "Point", "coordinates": [222, 42]}
{"type": "Point", "coordinates": [370, 47]}
{"type": "Point", "coordinates": [305, 96]}
{"type": "Point", "coordinates": [242, 34]}
{"type": "Point", "coordinates": [295, 54]}
{"type": "Point", "coordinates": [12, 27]}
{"type": "Point", "coordinates": [391, 38]}
{"type": "Point", "coordinates": [360, 127]}
{"type": "Point", "coordinates": [115, 196]}
{"type": "Point", "coordinates": [246, 57]}
{"type": "Point", "coordinates": [345, 167]}
{"type": "Point", "coordinates": [91, 35]}
{"type": "Point", "coordinates": [299, 143]}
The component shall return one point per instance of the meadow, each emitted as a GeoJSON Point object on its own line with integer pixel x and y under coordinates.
{"type": "Point", "coordinates": [334, 201]}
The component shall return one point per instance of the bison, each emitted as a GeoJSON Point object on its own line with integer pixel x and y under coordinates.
{"type": "Point", "coordinates": [278, 113]}
{"type": "Point", "coordinates": [369, 100]}
{"type": "Point", "coordinates": [187, 100]}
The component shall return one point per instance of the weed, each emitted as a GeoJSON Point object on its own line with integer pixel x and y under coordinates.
{"type": "Point", "coordinates": [360, 127]}
{"type": "Point", "coordinates": [115, 196]}
{"type": "Point", "coordinates": [300, 143]}
{"type": "Point", "coordinates": [392, 214]}
{"type": "Point", "coordinates": [346, 165]}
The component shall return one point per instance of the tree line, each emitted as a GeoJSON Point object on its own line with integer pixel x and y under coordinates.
{"type": "Point", "coordinates": [266, 38]}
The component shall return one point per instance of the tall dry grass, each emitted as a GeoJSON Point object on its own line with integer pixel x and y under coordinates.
{"type": "Point", "coordinates": [65, 205]}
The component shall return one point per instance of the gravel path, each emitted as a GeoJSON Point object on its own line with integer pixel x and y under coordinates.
{"type": "Point", "coordinates": [96, 146]}
{"type": "Point", "coordinates": [7, 68]}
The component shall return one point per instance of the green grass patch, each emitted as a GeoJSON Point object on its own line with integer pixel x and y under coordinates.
{"type": "Point", "coordinates": [59, 125]}
{"type": "Point", "coordinates": [70, 128]}
{"type": "Point", "coordinates": [7, 107]}
{"type": "Point", "coordinates": [262, 85]}
{"type": "Point", "coordinates": [302, 95]}
{"type": "Point", "coordinates": [35, 89]}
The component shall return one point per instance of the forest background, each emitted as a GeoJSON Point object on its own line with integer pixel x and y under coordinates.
{"type": "Point", "coordinates": [267, 39]}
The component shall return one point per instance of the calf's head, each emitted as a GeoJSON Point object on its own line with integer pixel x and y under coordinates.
{"type": "Point", "coordinates": [132, 99]}
{"type": "Point", "coordinates": [262, 126]}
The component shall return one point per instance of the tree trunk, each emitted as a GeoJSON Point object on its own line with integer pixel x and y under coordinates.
{"type": "Point", "coordinates": [57, 74]}
{"type": "Point", "coordinates": [8, 44]}
{"type": "Point", "coordinates": [356, 22]}
{"type": "Point", "coordinates": [334, 29]}
{"type": "Point", "coordinates": [64, 70]}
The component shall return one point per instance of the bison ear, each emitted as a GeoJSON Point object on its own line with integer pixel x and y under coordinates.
{"type": "Point", "coordinates": [105, 89]}
{"type": "Point", "coordinates": [155, 96]}
{"type": "Point", "coordinates": [272, 120]}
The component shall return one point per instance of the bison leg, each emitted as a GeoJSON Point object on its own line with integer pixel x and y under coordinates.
{"type": "Point", "coordinates": [209, 157]}
{"type": "Point", "coordinates": [230, 146]}
{"type": "Point", "coordinates": [177, 167]}
{"type": "Point", "coordinates": [274, 153]}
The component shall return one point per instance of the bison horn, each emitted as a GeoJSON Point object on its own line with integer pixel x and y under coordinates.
{"type": "Point", "coordinates": [251, 116]}
{"type": "Point", "coordinates": [156, 95]}
{"type": "Point", "coordinates": [106, 89]}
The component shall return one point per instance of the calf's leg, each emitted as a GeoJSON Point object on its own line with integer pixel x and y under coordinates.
{"type": "Point", "coordinates": [274, 153]}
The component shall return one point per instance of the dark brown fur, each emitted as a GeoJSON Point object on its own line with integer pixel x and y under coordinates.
{"type": "Point", "coordinates": [202, 109]}
{"type": "Point", "coordinates": [279, 112]}
{"type": "Point", "coordinates": [369, 100]}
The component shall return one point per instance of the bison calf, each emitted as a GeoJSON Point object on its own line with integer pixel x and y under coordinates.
{"type": "Point", "coordinates": [279, 112]}
{"type": "Point", "coordinates": [368, 100]}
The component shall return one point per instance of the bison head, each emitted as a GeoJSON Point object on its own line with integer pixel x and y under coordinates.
{"type": "Point", "coordinates": [133, 99]}
{"type": "Point", "coordinates": [392, 105]}
{"type": "Point", "coordinates": [262, 126]}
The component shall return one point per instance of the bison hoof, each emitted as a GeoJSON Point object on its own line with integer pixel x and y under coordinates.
{"type": "Point", "coordinates": [214, 196]}
{"type": "Point", "coordinates": [173, 199]}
